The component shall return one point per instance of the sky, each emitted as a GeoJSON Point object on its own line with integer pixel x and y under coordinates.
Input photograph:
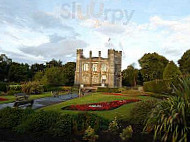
{"type": "Point", "coordinates": [36, 31]}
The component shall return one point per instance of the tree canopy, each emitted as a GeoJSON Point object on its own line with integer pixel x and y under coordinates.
{"type": "Point", "coordinates": [171, 71]}
{"type": "Point", "coordinates": [152, 66]}
{"type": "Point", "coordinates": [184, 63]}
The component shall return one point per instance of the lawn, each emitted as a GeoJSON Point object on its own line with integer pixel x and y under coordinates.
{"type": "Point", "coordinates": [122, 112]}
{"type": "Point", "coordinates": [32, 97]}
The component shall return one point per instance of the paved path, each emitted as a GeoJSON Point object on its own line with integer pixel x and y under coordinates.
{"type": "Point", "coordinates": [42, 102]}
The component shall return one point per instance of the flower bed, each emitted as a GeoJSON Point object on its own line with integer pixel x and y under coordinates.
{"type": "Point", "coordinates": [100, 106]}
{"type": "Point", "coordinates": [3, 99]}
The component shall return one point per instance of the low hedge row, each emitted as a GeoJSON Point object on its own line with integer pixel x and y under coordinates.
{"type": "Point", "coordinates": [158, 86]}
{"type": "Point", "coordinates": [49, 122]}
{"type": "Point", "coordinates": [109, 90]}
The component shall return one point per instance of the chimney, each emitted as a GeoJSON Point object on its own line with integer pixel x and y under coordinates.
{"type": "Point", "coordinates": [90, 54]}
{"type": "Point", "coordinates": [99, 53]}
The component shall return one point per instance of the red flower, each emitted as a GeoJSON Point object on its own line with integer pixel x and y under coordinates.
{"type": "Point", "coordinates": [100, 106]}
{"type": "Point", "coordinates": [3, 99]}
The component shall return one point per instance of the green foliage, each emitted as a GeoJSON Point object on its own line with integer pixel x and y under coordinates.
{"type": "Point", "coordinates": [129, 76]}
{"type": "Point", "coordinates": [109, 90]}
{"type": "Point", "coordinates": [63, 126]}
{"type": "Point", "coordinates": [38, 76]}
{"type": "Point", "coordinates": [15, 87]}
{"type": "Point", "coordinates": [12, 92]}
{"type": "Point", "coordinates": [10, 118]}
{"type": "Point", "coordinates": [3, 86]}
{"type": "Point", "coordinates": [90, 135]}
{"type": "Point", "coordinates": [38, 123]}
{"type": "Point", "coordinates": [32, 88]}
{"type": "Point", "coordinates": [152, 66]}
{"type": "Point", "coordinates": [18, 72]}
{"type": "Point", "coordinates": [53, 76]}
{"type": "Point", "coordinates": [157, 86]}
{"type": "Point", "coordinates": [114, 127]}
{"type": "Point", "coordinates": [83, 120]}
{"type": "Point", "coordinates": [127, 133]}
{"type": "Point", "coordinates": [141, 110]}
{"type": "Point", "coordinates": [170, 118]}
{"type": "Point", "coordinates": [171, 72]}
{"type": "Point", "coordinates": [184, 65]}
{"type": "Point", "coordinates": [69, 73]}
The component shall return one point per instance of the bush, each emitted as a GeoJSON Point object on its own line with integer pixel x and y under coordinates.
{"type": "Point", "coordinates": [15, 88]}
{"type": "Point", "coordinates": [170, 118]}
{"type": "Point", "coordinates": [109, 90]}
{"type": "Point", "coordinates": [157, 86]}
{"type": "Point", "coordinates": [62, 127]}
{"type": "Point", "coordinates": [81, 122]}
{"type": "Point", "coordinates": [12, 92]}
{"type": "Point", "coordinates": [48, 88]}
{"type": "Point", "coordinates": [32, 88]}
{"type": "Point", "coordinates": [114, 127]}
{"type": "Point", "coordinates": [90, 135]}
{"type": "Point", "coordinates": [127, 133]}
{"type": "Point", "coordinates": [38, 123]}
{"type": "Point", "coordinates": [10, 118]}
{"type": "Point", "coordinates": [141, 110]}
{"type": "Point", "coordinates": [3, 87]}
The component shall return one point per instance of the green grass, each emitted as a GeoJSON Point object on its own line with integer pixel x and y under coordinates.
{"type": "Point", "coordinates": [32, 97]}
{"type": "Point", "coordinates": [122, 112]}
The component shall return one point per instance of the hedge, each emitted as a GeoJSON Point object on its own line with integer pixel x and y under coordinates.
{"type": "Point", "coordinates": [158, 86]}
{"type": "Point", "coordinates": [109, 90]}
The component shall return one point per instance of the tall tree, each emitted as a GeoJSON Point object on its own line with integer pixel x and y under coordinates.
{"type": "Point", "coordinates": [129, 76]}
{"type": "Point", "coordinates": [152, 66]}
{"type": "Point", "coordinates": [54, 63]}
{"type": "Point", "coordinates": [18, 72]}
{"type": "Point", "coordinates": [69, 73]}
{"type": "Point", "coordinates": [184, 63]}
{"type": "Point", "coordinates": [171, 71]}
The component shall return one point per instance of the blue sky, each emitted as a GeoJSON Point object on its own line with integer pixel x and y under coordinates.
{"type": "Point", "coordinates": [38, 30]}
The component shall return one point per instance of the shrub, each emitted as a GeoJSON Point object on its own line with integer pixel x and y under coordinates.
{"type": "Point", "coordinates": [157, 86]}
{"type": "Point", "coordinates": [63, 126]}
{"type": "Point", "coordinates": [32, 88]}
{"type": "Point", "coordinates": [12, 92]}
{"type": "Point", "coordinates": [90, 135]}
{"type": "Point", "coordinates": [83, 120]}
{"type": "Point", "coordinates": [49, 88]}
{"type": "Point", "coordinates": [38, 123]}
{"type": "Point", "coordinates": [114, 127]}
{"type": "Point", "coordinates": [127, 133]}
{"type": "Point", "coordinates": [170, 118]}
{"type": "Point", "coordinates": [109, 90]}
{"type": "Point", "coordinates": [141, 110]}
{"type": "Point", "coordinates": [3, 86]}
{"type": "Point", "coordinates": [15, 88]}
{"type": "Point", "coordinates": [10, 117]}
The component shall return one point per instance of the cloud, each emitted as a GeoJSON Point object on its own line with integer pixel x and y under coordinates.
{"type": "Point", "coordinates": [56, 50]}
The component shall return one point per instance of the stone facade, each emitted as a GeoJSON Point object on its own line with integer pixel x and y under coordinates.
{"type": "Point", "coordinates": [98, 71]}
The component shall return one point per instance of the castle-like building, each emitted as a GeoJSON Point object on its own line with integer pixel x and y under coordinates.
{"type": "Point", "coordinates": [98, 71]}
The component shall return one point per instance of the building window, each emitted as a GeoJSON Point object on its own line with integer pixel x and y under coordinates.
{"type": "Point", "coordinates": [104, 67]}
{"type": "Point", "coordinates": [94, 67]}
{"type": "Point", "coordinates": [85, 67]}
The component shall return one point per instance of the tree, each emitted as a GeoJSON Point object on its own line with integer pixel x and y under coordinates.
{"type": "Point", "coordinates": [152, 66]}
{"type": "Point", "coordinates": [54, 63]}
{"type": "Point", "coordinates": [18, 72]}
{"type": "Point", "coordinates": [36, 68]}
{"type": "Point", "coordinates": [171, 71]}
{"type": "Point", "coordinates": [184, 63]}
{"type": "Point", "coordinates": [69, 73]}
{"type": "Point", "coordinates": [53, 76]}
{"type": "Point", "coordinates": [38, 76]}
{"type": "Point", "coordinates": [129, 76]}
